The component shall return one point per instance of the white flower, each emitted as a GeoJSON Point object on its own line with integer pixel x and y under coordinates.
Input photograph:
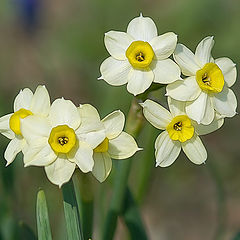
{"type": "Point", "coordinates": [117, 144]}
{"type": "Point", "coordinates": [63, 141]}
{"type": "Point", "coordinates": [25, 104]}
{"type": "Point", "coordinates": [180, 132]}
{"type": "Point", "coordinates": [139, 56]}
{"type": "Point", "coordinates": [206, 90]}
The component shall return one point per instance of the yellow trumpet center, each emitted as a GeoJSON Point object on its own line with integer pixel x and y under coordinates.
{"type": "Point", "coordinates": [15, 122]}
{"type": "Point", "coordinates": [140, 54]}
{"type": "Point", "coordinates": [62, 139]}
{"type": "Point", "coordinates": [180, 128]}
{"type": "Point", "coordinates": [103, 146]}
{"type": "Point", "coordinates": [210, 78]}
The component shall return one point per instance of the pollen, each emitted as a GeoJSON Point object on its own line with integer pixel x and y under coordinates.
{"type": "Point", "coordinates": [15, 122]}
{"type": "Point", "coordinates": [140, 54]}
{"type": "Point", "coordinates": [180, 128]}
{"type": "Point", "coordinates": [210, 78]}
{"type": "Point", "coordinates": [62, 139]}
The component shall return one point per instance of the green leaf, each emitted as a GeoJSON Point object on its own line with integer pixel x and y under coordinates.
{"type": "Point", "coordinates": [132, 218]}
{"type": "Point", "coordinates": [83, 184]}
{"type": "Point", "coordinates": [71, 212]}
{"type": "Point", "coordinates": [43, 226]}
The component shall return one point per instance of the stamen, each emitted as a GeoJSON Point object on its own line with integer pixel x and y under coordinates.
{"type": "Point", "coordinates": [206, 79]}
{"type": "Point", "coordinates": [140, 57]}
{"type": "Point", "coordinates": [63, 140]}
{"type": "Point", "coordinates": [178, 126]}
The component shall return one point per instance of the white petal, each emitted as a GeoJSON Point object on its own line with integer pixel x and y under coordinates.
{"type": "Point", "coordinates": [117, 44]}
{"type": "Point", "coordinates": [176, 107]}
{"type": "Point", "coordinates": [157, 115]}
{"type": "Point", "coordinates": [40, 103]}
{"type": "Point", "coordinates": [39, 153]}
{"type": "Point", "coordinates": [195, 150]}
{"type": "Point", "coordinates": [229, 70]}
{"type": "Point", "coordinates": [23, 99]}
{"type": "Point", "coordinates": [84, 157]}
{"type": "Point", "coordinates": [203, 51]}
{"type": "Point", "coordinates": [123, 146]}
{"type": "Point", "coordinates": [196, 109]}
{"type": "Point", "coordinates": [139, 81]}
{"type": "Point", "coordinates": [164, 45]}
{"type": "Point", "coordinates": [34, 127]}
{"type": "Point", "coordinates": [186, 60]}
{"type": "Point", "coordinates": [209, 112]}
{"type": "Point", "coordinates": [206, 129]}
{"type": "Point", "coordinates": [184, 90]}
{"type": "Point", "coordinates": [165, 71]}
{"type": "Point", "coordinates": [167, 150]}
{"type": "Point", "coordinates": [5, 128]}
{"type": "Point", "coordinates": [91, 129]}
{"type": "Point", "coordinates": [225, 102]}
{"type": "Point", "coordinates": [14, 147]}
{"type": "Point", "coordinates": [88, 113]}
{"type": "Point", "coordinates": [102, 166]}
{"type": "Point", "coordinates": [64, 112]}
{"type": "Point", "coordinates": [60, 171]}
{"type": "Point", "coordinates": [115, 72]}
{"type": "Point", "coordinates": [114, 123]}
{"type": "Point", "coordinates": [142, 28]}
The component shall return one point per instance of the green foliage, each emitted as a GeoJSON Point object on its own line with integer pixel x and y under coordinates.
{"type": "Point", "coordinates": [71, 212]}
{"type": "Point", "coordinates": [43, 226]}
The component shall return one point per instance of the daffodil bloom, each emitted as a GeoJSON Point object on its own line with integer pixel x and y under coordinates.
{"type": "Point", "coordinates": [63, 141]}
{"type": "Point", "coordinates": [25, 104]}
{"type": "Point", "coordinates": [139, 56]}
{"type": "Point", "coordinates": [207, 87]}
{"type": "Point", "coordinates": [180, 132]}
{"type": "Point", "coordinates": [116, 144]}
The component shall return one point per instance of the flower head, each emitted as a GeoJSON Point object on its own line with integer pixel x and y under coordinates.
{"type": "Point", "coordinates": [207, 87]}
{"type": "Point", "coordinates": [180, 132]}
{"type": "Point", "coordinates": [25, 104]}
{"type": "Point", "coordinates": [116, 144]}
{"type": "Point", "coordinates": [139, 56]}
{"type": "Point", "coordinates": [63, 141]}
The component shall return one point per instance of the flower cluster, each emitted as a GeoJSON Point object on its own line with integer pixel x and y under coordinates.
{"type": "Point", "coordinates": [61, 137]}
{"type": "Point", "coordinates": [198, 87]}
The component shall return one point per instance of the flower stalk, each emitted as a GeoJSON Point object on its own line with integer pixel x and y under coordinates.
{"type": "Point", "coordinates": [134, 126]}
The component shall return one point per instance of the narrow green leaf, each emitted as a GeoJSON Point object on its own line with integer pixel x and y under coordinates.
{"type": "Point", "coordinates": [43, 226]}
{"type": "Point", "coordinates": [71, 212]}
{"type": "Point", "coordinates": [83, 184]}
{"type": "Point", "coordinates": [133, 219]}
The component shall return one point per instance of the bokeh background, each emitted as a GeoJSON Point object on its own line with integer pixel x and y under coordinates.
{"type": "Point", "coordinates": [60, 44]}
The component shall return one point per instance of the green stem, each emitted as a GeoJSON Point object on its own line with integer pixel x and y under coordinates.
{"type": "Point", "coordinates": [71, 212]}
{"type": "Point", "coordinates": [134, 125]}
{"type": "Point", "coordinates": [83, 184]}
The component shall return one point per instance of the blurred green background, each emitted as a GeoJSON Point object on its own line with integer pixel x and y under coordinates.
{"type": "Point", "coordinates": [60, 44]}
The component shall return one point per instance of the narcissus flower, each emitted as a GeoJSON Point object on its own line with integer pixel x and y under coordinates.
{"type": "Point", "coordinates": [25, 104]}
{"type": "Point", "coordinates": [180, 132]}
{"type": "Point", "coordinates": [117, 144]}
{"type": "Point", "coordinates": [139, 56]}
{"type": "Point", "coordinates": [63, 141]}
{"type": "Point", "coordinates": [207, 89]}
